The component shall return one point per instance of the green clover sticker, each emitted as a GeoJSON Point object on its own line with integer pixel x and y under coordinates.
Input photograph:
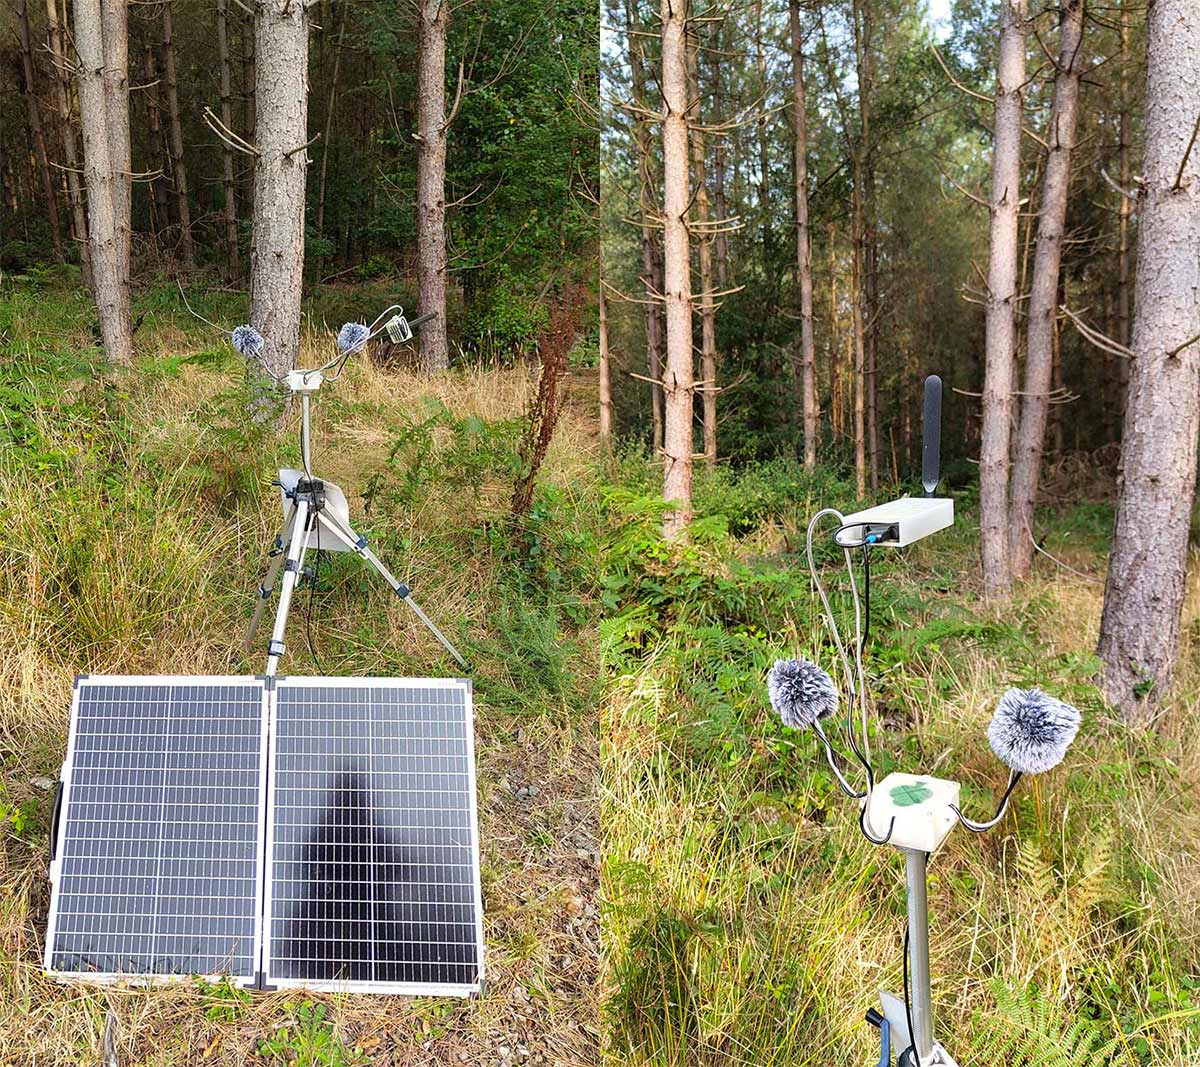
{"type": "Point", "coordinates": [905, 796]}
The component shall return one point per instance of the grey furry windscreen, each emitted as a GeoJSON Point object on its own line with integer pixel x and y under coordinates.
{"type": "Point", "coordinates": [248, 341]}
{"type": "Point", "coordinates": [1031, 730]}
{"type": "Point", "coordinates": [801, 692]}
{"type": "Point", "coordinates": [351, 336]}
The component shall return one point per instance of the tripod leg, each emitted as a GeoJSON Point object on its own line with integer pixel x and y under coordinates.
{"type": "Point", "coordinates": [291, 575]}
{"type": "Point", "coordinates": [268, 586]}
{"type": "Point", "coordinates": [400, 589]}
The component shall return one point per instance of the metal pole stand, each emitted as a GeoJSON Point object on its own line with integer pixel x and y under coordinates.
{"type": "Point", "coordinates": [310, 506]}
{"type": "Point", "coordinates": [918, 810]}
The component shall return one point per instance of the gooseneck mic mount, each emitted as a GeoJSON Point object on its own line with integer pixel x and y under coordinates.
{"type": "Point", "coordinates": [316, 512]}
{"type": "Point", "coordinates": [1030, 732]}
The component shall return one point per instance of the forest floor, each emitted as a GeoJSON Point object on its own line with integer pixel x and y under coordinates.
{"type": "Point", "coordinates": [746, 920]}
{"type": "Point", "coordinates": [137, 510]}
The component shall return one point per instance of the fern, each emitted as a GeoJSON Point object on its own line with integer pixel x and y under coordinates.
{"type": "Point", "coordinates": [1029, 1030]}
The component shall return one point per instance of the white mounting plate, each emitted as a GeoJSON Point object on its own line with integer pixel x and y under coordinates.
{"type": "Point", "coordinates": [913, 516]}
{"type": "Point", "coordinates": [921, 807]}
{"type": "Point", "coordinates": [892, 1007]}
{"type": "Point", "coordinates": [335, 502]}
{"type": "Point", "coordinates": [303, 381]}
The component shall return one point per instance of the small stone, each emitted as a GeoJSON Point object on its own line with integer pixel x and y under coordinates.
{"type": "Point", "coordinates": [42, 782]}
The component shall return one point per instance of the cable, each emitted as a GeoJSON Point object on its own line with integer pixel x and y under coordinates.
{"type": "Point", "coordinates": [866, 551]}
{"type": "Point", "coordinates": [908, 1007]}
{"type": "Point", "coordinates": [312, 595]}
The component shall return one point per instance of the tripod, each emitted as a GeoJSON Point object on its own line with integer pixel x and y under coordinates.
{"type": "Point", "coordinates": [316, 510]}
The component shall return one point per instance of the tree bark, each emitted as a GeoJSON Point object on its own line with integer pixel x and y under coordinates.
{"type": "Point", "coordinates": [277, 258]}
{"type": "Point", "coordinates": [187, 252]}
{"type": "Point", "coordinates": [1043, 295]}
{"type": "Point", "coordinates": [708, 310]}
{"type": "Point", "coordinates": [1000, 326]}
{"type": "Point", "coordinates": [1143, 596]}
{"type": "Point", "coordinates": [115, 23]}
{"type": "Point", "coordinates": [677, 279]}
{"type": "Point", "coordinates": [434, 16]}
{"type": "Point", "coordinates": [37, 134]}
{"type": "Point", "coordinates": [1125, 208]}
{"type": "Point", "coordinates": [109, 285]}
{"type": "Point", "coordinates": [605, 377]}
{"type": "Point", "coordinates": [249, 105]}
{"type": "Point", "coordinates": [651, 253]}
{"type": "Point", "coordinates": [62, 100]}
{"type": "Point", "coordinates": [160, 206]}
{"type": "Point", "coordinates": [229, 209]}
{"type": "Point", "coordinates": [808, 351]}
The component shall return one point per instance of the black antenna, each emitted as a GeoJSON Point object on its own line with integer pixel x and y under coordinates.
{"type": "Point", "coordinates": [931, 447]}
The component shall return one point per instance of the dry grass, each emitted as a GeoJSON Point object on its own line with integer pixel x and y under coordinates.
{"type": "Point", "coordinates": [92, 581]}
{"type": "Point", "coordinates": [787, 921]}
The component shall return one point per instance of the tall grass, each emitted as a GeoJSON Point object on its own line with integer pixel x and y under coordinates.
{"type": "Point", "coordinates": [748, 922]}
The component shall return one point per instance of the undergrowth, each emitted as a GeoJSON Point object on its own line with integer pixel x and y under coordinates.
{"type": "Point", "coordinates": [746, 920]}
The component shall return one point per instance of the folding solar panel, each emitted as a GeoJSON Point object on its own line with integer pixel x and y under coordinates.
{"type": "Point", "coordinates": [372, 838]}
{"type": "Point", "coordinates": [159, 853]}
{"type": "Point", "coordinates": [315, 832]}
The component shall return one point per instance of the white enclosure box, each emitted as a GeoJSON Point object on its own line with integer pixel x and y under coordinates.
{"type": "Point", "coordinates": [898, 522]}
{"type": "Point", "coordinates": [921, 807]}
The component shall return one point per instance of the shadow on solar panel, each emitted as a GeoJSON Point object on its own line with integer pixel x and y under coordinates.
{"type": "Point", "coordinates": [314, 832]}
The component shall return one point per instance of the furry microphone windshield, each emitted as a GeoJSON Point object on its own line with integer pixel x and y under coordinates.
{"type": "Point", "coordinates": [248, 341]}
{"type": "Point", "coordinates": [801, 692]}
{"type": "Point", "coordinates": [1031, 730]}
{"type": "Point", "coordinates": [352, 336]}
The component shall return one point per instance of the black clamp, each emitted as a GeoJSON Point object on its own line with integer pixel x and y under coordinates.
{"type": "Point", "coordinates": [275, 648]}
{"type": "Point", "coordinates": [876, 1019]}
{"type": "Point", "coordinates": [402, 590]}
{"type": "Point", "coordinates": [263, 592]}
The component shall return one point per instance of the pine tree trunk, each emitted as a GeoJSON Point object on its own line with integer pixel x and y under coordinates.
{"type": "Point", "coordinates": [605, 377]}
{"type": "Point", "coordinates": [808, 351]}
{"type": "Point", "coordinates": [1143, 596]}
{"type": "Point", "coordinates": [434, 16]}
{"type": "Point", "coordinates": [187, 253]}
{"type": "Point", "coordinates": [1000, 340]}
{"type": "Point", "coordinates": [651, 254]}
{"type": "Point", "coordinates": [110, 289]}
{"type": "Point", "coordinates": [249, 106]}
{"type": "Point", "coordinates": [329, 110]}
{"type": "Point", "coordinates": [677, 280]}
{"type": "Point", "coordinates": [868, 238]}
{"type": "Point", "coordinates": [115, 23]}
{"type": "Point", "coordinates": [160, 205]}
{"type": "Point", "coordinates": [1043, 296]}
{"type": "Point", "coordinates": [37, 135]}
{"type": "Point", "coordinates": [229, 209]}
{"type": "Point", "coordinates": [277, 258]}
{"type": "Point", "coordinates": [62, 100]}
{"type": "Point", "coordinates": [1125, 208]}
{"type": "Point", "coordinates": [708, 311]}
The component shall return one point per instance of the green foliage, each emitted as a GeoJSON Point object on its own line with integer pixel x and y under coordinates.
{"type": "Point", "coordinates": [308, 1039]}
{"type": "Point", "coordinates": [1030, 1029]}
{"type": "Point", "coordinates": [503, 324]}
{"type": "Point", "coordinates": [222, 1000]}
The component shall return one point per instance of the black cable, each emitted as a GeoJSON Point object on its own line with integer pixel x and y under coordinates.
{"type": "Point", "coordinates": [912, 1037]}
{"type": "Point", "coordinates": [312, 595]}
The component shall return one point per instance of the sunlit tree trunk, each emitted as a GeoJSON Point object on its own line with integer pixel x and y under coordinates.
{"type": "Point", "coordinates": [1143, 596]}
{"type": "Point", "coordinates": [433, 19]}
{"type": "Point", "coordinates": [808, 351]}
{"type": "Point", "coordinates": [36, 132]}
{"type": "Point", "coordinates": [109, 285]}
{"type": "Point", "coordinates": [1000, 342]}
{"type": "Point", "coordinates": [677, 280]}
{"type": "Point", "coordinates": [708, 313]}
{"type": "Point", "coordinates": [1043, 296]}
{"type": "Point", "coordinates": [115, 23]}
{"type": "Point", "coordinates": [277, 259]}
{"type": "Point", "coordinates": [187, 251]}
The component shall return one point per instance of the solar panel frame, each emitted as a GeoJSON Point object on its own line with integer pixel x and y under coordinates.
{"type": "Point", "coordinates": [272, 980]}
{"type": "Point", "coordinates": [67, 778]}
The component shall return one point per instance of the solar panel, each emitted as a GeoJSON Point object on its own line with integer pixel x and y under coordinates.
{"type": "Point", "coordinates": [372, 837]}
{"type": "Point", "coordinates": [315, 832]}
{"type": "Point", "coordinates": [159, 850]}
